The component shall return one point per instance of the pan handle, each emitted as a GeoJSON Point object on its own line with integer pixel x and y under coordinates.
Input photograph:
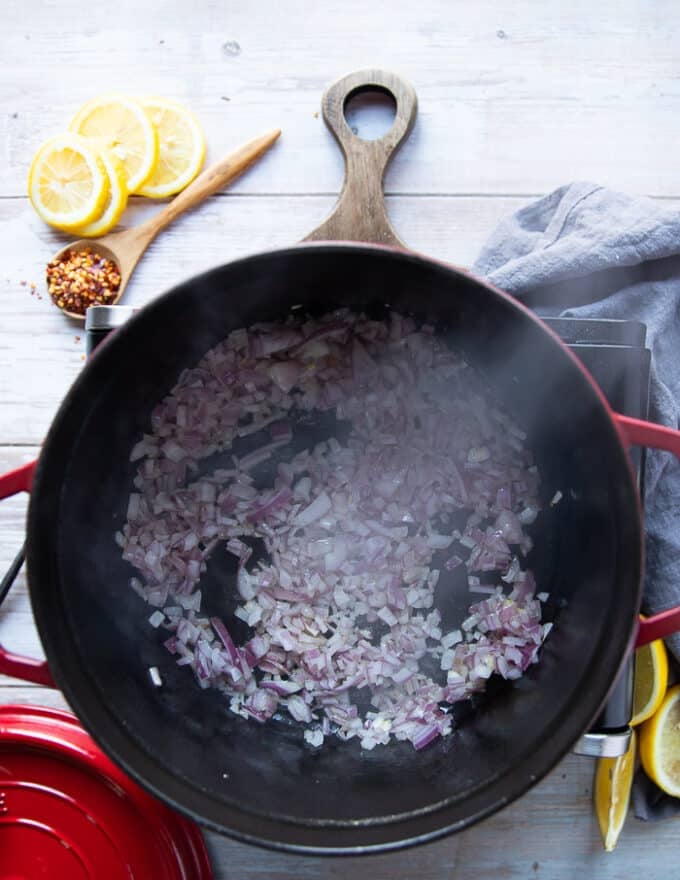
{"type": "Point", "coordinates": [26, 668]}
{"type": "Point", "coordinates": [641, 433]}
{"type": "Point", "coordinates": [658, 626]}
{"type": "Point", "coordinates": [360, 213]}
{"type": "Point", "coordinates": [18, 480]}
{"type": "Point", "coordinates": [637, 432]}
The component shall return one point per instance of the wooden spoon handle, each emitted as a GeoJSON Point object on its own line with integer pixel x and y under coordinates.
{"type": "Point", "coordinates": [360, 213]}
{"type": "Point", "coordinates": [212, 180]}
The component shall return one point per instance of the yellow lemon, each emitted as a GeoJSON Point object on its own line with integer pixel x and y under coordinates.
{"type": "Point", "coordinates": [651, 680]}
{"type": "Point", "coordinates": [660, 744]}
{"type": "Point", "coordinates": [613, 783]}
{"type": "Point", "coordinates": [119, 124]}
{"type": "Point", "coordinates": [115, 203]}
{"type": "Point", "coordinates": [67, 182]}
{"type": "Point", "coordinates": [181, 148]}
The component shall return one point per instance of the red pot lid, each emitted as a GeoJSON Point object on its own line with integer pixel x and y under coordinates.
{"type": "Point", "coordinates": [67, 811]}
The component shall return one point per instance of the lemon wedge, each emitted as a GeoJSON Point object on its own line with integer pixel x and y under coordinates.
{"type": "Point", "coordinates": [67, 182]}
{"type": "Point", "coordinates": [613, 783]}
{"type": "Point", "coordinates": [651, 680]}
{"type": "Point", "coordinates": [660, 744]}
{"type": "Point", "coordinates": [119, 124]}
{"type": "Point", "coordinates": [181, 148]}
{"type": "Point", "coordinates": [115, 202]}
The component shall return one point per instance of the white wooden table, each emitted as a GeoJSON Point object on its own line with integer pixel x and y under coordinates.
{"type": "Point", "coordinates": [515, 99]}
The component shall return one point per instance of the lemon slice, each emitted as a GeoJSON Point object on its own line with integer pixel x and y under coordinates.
{"type": "Point", "coordinates": [660, 744]}
{"type": "Point", "coordinates": [120, 125]}
{"type": "Point", "coordinates": [651, 680]}
{"type": "Point", "coordinates": [115, 203]}
{"type": "Point", "coordinates": [181, 148]}
{"type": "Point", "coordinates": [613, 783]}
{"type": "Point", "coordinates": [67, 182]}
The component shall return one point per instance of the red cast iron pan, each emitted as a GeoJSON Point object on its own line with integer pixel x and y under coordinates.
{"type": "Point", "coordinates": [262, 783]}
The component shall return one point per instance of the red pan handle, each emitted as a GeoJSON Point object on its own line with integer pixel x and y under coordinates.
{"type": "Point", "coordinates": [18, 480]}
{"type": "Point", "coordinates": [639, 433]}
{"type": "Point", "coordinates": [661, 625]}
{"type": "Point", "coordinates": [26, 668]}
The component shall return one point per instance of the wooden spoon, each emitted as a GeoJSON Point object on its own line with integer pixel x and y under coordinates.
{"type": "Point", "coordinates": [125, 248]}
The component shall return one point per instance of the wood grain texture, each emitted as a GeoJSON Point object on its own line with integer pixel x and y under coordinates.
{"type": "Point", "coordinates": [360, 213]}
{"type": "Point", "coordinates": [514, 100]}
{"type": "Point", "coordinates": [514, 97]}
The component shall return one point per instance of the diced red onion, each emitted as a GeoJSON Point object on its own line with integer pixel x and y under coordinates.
{"type": "Point", "coordinates": [528, 515]}
{"type": "Point", "coordinates": [283, 688]}
{"type": "Point", "coordinates": [510, 527]}
{"type": "Point", "coordinates": [225, 638]}
{"type": "Point", "coordinates": [298, 708]}
{"type": "Point", "coordinates": [425, 736]}
{"type": "Point", "coordinates": [285, 374]}
{"type": "Point", "coordinates": [156, 619]}
{"type": "Point", "coordinates": [314, 511]}
{"type": "Point", "coordinates": [351, 530]}
{"type": "Point", "coordinates": [314, 737]}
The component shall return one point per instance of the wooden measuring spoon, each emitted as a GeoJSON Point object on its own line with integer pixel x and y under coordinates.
{"type": "Point", "coordinates": [125, 248]}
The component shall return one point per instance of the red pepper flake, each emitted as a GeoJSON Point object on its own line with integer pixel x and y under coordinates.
{"type": "Point", "coordinates": [79, 279]}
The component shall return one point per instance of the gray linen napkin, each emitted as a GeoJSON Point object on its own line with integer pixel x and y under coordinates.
{"type": "Point", "coordinates": [588, 252]}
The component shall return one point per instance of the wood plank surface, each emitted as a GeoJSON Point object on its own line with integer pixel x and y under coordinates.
{"type": "Point", "coordinates": [514, 100]}
{"type": "Point", "coordinates": [514, 97]}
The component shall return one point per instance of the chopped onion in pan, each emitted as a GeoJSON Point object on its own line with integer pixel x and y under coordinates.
{"type": "Point", "coordinates": [433, 478]}
{"type": "Point", "coordinates": [155, 676]}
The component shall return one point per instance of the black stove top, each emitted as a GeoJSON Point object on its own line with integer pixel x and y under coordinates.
{"type": "Point", "coordinates": [614, 354]}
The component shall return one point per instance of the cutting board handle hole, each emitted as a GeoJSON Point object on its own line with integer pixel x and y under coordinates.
{"type": "Point", "coordinates": [370, 112]}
